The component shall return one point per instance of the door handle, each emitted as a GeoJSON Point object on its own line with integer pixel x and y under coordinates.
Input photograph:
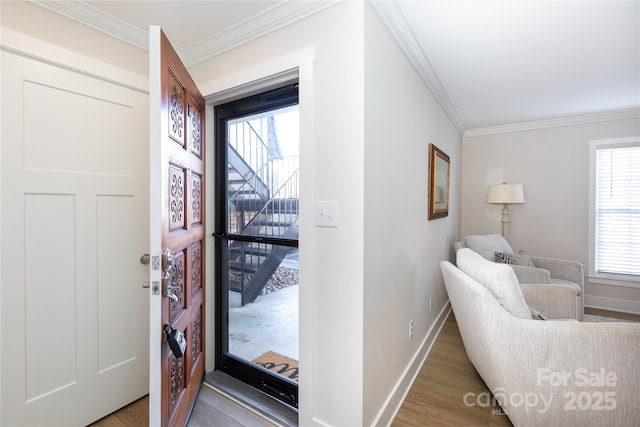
{"type": "Point", "coordinates": [167, 260]}
{"type": "Point", "coordinates": [167, 285]}
{"type": "Point", "coordinates": [144, 259]}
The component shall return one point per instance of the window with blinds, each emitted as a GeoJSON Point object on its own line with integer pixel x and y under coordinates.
{"type": "Point", "coordinates": [617, 209]}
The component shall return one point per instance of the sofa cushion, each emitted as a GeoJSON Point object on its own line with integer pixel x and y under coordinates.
{"type": "Point", "coordinates": [514, 259]}
{"type": "Point", "coordinates": [499, 279]}
{"type": "Point", "coordinates": [488, 244]}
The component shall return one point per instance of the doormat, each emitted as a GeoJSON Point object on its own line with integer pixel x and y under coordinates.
{"type": "Point", "coordinates": [279, 364]}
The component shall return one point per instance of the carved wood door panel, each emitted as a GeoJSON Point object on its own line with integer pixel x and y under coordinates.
{"type": "Point", "coordinates": [181, 140]}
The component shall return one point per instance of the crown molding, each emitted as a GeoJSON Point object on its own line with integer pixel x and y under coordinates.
{"type": "Point", "coordinates": [633, 113]}
{"type": "Point", "coordinates": [278, 16]}
{"type": "Point", "coordinates": [392, 16]}
{"type": "Point", "coordinates": [270, 20]}
{"type": "Point", "coordinates": [90, 16]}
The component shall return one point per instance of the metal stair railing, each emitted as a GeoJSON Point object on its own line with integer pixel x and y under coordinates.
{"type": "Point", "coordinates": [248, 143]}
{"type": "Point", "coordinates": [255, 275]}
{"type": "Point", "coordinates": [257, 262]}
{"type": "Point", "coordinates": [279, 211]}
{"type": "Point", "coordinates": [249, 159]}
{"type": "Point", "coordinates": [250, 198]}
{"type": "Point", "coordinates": [249, 179]}
{"type": "Point", "coordinates": [263, 197]}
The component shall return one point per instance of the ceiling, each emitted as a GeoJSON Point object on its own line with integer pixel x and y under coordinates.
{"type": "Point", "coordinates": [489, 63]}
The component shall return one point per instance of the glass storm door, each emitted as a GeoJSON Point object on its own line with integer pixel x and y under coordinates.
{"type": "Point", "coordinates": [257, 193]}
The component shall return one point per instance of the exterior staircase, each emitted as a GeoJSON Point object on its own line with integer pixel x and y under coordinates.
{"type": "Point", "coordinates": [262, 204]}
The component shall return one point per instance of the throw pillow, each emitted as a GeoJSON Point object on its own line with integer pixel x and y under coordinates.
{"type": "Point", "coordinates": [536, 315]}
{"type": "Point", "coordinates": [488, 244]}
{"type": "Point", "coordinates": [499, 279]}
{"type": "Point", "coordinates": [514, 259]}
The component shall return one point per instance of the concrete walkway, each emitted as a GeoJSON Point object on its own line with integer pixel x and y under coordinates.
{"type": "Point", "coordinates": [269, 323]}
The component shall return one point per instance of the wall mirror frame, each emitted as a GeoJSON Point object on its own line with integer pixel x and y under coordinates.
{"type": "Point", "coordinates": [439, 178]}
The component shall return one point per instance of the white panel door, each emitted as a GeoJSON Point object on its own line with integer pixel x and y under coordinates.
{"type": "Point", "coordinates": [75, 317]}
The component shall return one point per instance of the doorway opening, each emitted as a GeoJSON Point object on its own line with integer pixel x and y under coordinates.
{"type": "Point", "coordinates": [256, 235]}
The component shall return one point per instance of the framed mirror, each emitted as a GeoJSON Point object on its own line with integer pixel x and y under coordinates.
{"type": "Point", "coordinates": [439, 173]}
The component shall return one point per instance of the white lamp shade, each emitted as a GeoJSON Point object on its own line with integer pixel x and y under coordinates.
{"type": "Point", "coordinates": [505, 193]}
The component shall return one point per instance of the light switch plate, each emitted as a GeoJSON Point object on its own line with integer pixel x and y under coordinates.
{"type": "Point", "coordinates": [326, 214]}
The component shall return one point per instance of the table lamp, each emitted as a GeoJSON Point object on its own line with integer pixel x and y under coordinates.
{"type": "Point", "coordinates": [505, 194]}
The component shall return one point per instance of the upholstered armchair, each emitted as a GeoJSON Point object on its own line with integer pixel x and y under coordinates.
{"type": "Point", "coordinates": [529, 269]}
{"type": "Point", "coordinates": [542, 373]}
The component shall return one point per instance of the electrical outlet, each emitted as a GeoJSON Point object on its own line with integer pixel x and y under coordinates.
{"type": "Point", "coordinates": [430, 303]}
{"type": "Point", "coordinates": [410, 329]}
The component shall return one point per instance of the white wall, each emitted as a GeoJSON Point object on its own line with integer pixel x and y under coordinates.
{"type": "Point", "coordinates": [553, 166]}
{"type": "Point", "coordinates": [332, 294]}
{"type": "Point", "coordinates": [374, 122]}
{"type": "Point", "coordinates": [402, 248]}
{"type": "Point", "coordinates": [29, 18]}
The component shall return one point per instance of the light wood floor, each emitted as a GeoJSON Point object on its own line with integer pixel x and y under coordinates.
{"type": "Point", "coordinates": [618, 315]}
{"type": "Point", "coordinates": [212, 410]}
{"type": "Point", "coordinates": [435, 399]}
{"type": "Point", "coordinates": [134, 415]}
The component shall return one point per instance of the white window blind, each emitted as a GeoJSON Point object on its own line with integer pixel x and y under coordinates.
{"type": "Point", "coordinates": [617, 216]}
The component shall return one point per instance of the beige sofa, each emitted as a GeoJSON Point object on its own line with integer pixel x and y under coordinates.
{"type": "Point", "coordinates": [531, 269]}
{"type": "Point", "coordinates": [543, 373]}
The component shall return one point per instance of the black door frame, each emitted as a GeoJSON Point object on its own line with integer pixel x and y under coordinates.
{"type": "Point", "coordinates": [261, 379]}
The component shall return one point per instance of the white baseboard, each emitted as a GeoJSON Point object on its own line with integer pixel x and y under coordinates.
{"type": "Point", "coordinates": [614, 304]}
{"type": "Point", "coordinates": [399, 393]}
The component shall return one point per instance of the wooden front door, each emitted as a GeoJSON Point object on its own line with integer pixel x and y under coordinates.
{"type": "Point", "coordinates": [181, 187]}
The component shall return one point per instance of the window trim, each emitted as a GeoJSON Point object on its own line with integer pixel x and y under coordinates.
{"type": "Point", "coordinates": [592, 275]}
